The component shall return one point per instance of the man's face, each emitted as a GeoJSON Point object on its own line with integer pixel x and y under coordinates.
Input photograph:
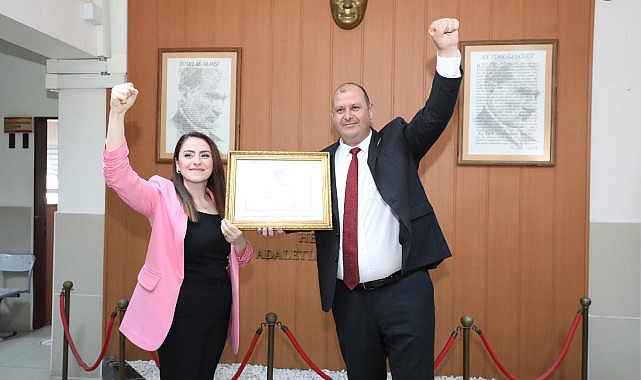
{"type": "Point", "coordinates": [205, 103]}
{"type": "Point", "coordinates": [351, 115]}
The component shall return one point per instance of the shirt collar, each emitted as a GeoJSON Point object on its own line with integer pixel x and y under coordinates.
{"type": "Point", "coordinates": [364, 145]}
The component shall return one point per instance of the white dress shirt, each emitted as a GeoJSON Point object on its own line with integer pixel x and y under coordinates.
{"type": "Point", "coordinates": [379, 252]}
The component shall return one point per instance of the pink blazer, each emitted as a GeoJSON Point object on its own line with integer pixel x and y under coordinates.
{"type": "Point", "coordinates": [151, 308]}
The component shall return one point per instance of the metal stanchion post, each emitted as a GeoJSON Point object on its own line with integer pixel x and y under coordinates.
{"type": "Point", "coordinates": [271, 319]}
{"type": "Point", "coordinates": [585, 303]}
{"type": "Point", "coordinates": [467, 322]}
{"type": "Point", "coordinates": [122, 307]}
{"type": "Point", "coordinates": [67, 285]}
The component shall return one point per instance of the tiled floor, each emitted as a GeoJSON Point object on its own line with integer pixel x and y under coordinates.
{"type": "Point", "coordinates": [26, 356]}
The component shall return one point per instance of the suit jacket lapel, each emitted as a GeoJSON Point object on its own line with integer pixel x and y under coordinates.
{"type": "Point", "coordinates": [373, 150]}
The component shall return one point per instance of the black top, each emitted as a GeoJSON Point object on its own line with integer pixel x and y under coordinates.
{"type": "Point", "coordinates": [206, 252]}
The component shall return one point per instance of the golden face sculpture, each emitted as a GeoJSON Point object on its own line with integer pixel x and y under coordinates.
{"type": "Point", "coordinates": [348, 13]}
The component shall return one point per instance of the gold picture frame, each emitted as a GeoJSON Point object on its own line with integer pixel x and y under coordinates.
{"type": "Point", "coordinates": [508, 103]}
{"type": "Point", "coordinates": [199, 90]}
{"type": "Point", "coordinates": [279, 189]}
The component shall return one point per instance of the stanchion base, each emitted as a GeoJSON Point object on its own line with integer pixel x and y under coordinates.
{"type": "Point", "coordinates": [110, 370]}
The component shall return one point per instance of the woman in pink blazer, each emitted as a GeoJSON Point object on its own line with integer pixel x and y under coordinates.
{"type": "Point", "coordinates": [185, 304]}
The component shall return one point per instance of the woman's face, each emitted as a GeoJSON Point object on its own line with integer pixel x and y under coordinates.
{"type": "Point", "coordinates": [195, 161]}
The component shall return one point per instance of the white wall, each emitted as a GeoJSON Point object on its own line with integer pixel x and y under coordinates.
{"type": "Point", "coordinates": [22, 82]}
{"type": "Point", "coordinates": [615, 186]}
{"type": "Point", "coordinates": [36, 25]}
{"type": "Point", "coordinates": [615, 193]}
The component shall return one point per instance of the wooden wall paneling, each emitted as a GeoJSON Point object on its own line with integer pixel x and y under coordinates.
{"type": "Point", "coordinates": [542, 19]}
{"type": "Point", "coordinates": [347, 55]}
{"type": "Point", "coordinates": [256, 76]}
{"type": "Point", "coordinates": [140, 122]}
{"type": "Point", "coordinates": [227, 23]}
{"type": "Point", "coordinates": [286, 115]}
{"type": "Point", "coordinates": [475, 17]}
{"type": "Point", "coordinates": [470, 260]}
{"type": "Point", "coordinates": [199, 27]}
{"type": "Point", "coordinates": [379, 30]}
{"type": "Point", "coordinates": [439, 9]}
{"type": "Point", "coordinates": [573, 146]}
{"type": "Point", "coordinates": [504, 258]}
{"type": "Point", "coordinates": [309, 320]}
{"type": "Point", "coordinates": [409, 59]}
{"type": "Point", "coordinates": [537, 262]}
{"type": "Point", "coordinates": [173, 20]}
{"type": "Point", "coordinates": [315, 128]}
{"type": "Point", "coordinates": [507, 19]}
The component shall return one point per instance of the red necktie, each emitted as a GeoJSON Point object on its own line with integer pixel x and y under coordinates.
{"type": "Point", "coordinates": [350, 225]}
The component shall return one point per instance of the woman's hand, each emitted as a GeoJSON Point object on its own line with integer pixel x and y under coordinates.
{"type": "Point", "coordinates": [123, 97]}
{"type": "Point", "coordinates": [234, 236]}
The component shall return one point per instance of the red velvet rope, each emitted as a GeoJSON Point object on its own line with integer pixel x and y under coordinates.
{"type": "Point", "coordinates": [446, 349]}
{"type": "Point", "coordinates": [554, 366]}
{"type": "Point", "coordinates": [65, 326]}
{"type": "Point", "coordinates": [302, 353]}
{"type": "Point", "coordinates": [248, 354]}
{"type": "Point", "coordinates": [566, 346]}
{"type": "Point", "coordinates": [494, 357]}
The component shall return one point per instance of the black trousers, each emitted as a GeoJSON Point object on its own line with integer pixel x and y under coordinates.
{"type": "Point", "coordinates": [198, 333]}
{"type": "Point", "coordinates": [394, 322]}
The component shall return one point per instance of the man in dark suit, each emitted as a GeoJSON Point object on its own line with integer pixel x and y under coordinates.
{"type": "Point", "coordinates": [388, 313]}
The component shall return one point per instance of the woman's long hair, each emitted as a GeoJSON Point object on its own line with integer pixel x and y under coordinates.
{"type": "Point", "coordinates": [215, 183]}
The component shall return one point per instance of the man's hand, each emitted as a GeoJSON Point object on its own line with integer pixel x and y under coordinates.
{"type": "Point", "coordinates": [444, 33]}
{"type": "Point", "coordinates": [269, 232]}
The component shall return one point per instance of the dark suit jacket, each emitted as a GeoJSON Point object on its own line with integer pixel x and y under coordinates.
{"type": "Point", "coordinates": [394, 155]}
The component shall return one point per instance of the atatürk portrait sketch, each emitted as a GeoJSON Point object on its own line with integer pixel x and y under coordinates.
{"type": "Point", "coordinates": [508, 117]}
{"type": "Point", "coordinates": [202, 95]}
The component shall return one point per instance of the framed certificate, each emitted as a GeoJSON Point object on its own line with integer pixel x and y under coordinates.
{"type": "Point", "coordinates": [279, 189]}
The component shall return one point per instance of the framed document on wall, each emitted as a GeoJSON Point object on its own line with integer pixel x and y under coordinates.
{"type": "Point", "coordinates": [507, 105]}
{"type": "Point", "coordinates": [198, 91]}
